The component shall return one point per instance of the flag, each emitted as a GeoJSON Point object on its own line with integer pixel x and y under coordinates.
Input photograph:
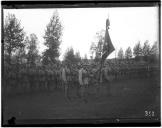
{"type": "Point", "coordinates": [108, 47]}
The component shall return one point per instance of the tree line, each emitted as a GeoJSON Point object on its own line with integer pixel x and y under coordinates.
{"type": "Point", "coordinates": [138, 51]}
{"type": "Point", "coordinates": [20, 48]}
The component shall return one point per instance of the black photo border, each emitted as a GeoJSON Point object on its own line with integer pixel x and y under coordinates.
{"type": "Point", "coordinates": [79, 4]}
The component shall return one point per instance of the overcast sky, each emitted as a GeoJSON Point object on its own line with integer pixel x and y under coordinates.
{"type": "Point", "coordinates": [128, 25]}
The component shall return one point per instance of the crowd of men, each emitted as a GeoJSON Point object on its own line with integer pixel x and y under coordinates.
{"type": "Point", "coordinates": [65, 76]}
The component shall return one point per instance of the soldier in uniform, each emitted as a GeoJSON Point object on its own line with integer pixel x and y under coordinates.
{"type": "Point", "coordinates": [59, 77]}
{"type": "Point", "coordinates": [48, 75]}
{"type": "Point", "coordinates": [37, 79]}
{"type": "Point", "coordinates": [98, 75]}
{"type": "Point", "coordinates": [82, 83]}
{"type": "Point", "coordinates": [93, 75]}
{"type": "Point", "coordinates": [42, 77]}
{"type": "Point", "coordinates": [54, 78]}
{"type": "Point", "coordinates": [86, 80]}
{"type": "Point", "coordinates": [108, 77]}
{"type": "Point", "coordinates": [65, 80]}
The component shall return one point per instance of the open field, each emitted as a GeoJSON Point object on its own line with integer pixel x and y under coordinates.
{"type": "Point", "coordinates": [127, 99]}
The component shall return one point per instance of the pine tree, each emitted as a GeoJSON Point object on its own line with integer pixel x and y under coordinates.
{"type": "Point", "coordinates": [93, 48]}
{"type": "Point", "coordinates": [21, 55]}
{"type": "Point", "coordinates": [137, 50]}
{"type": "Point", "coordinates": [13, 36]}
{"type": "Point", "coordinates": [85, 59]}
{"type": "Point", "coordinates": [32, 54]}
{"type": "Point", "coordinates": [128, 53]}
{"type": "Point", "coordinates": [52, 38]}
{"type": "Point", "coordinates": [77, 57]}
{"type": "Point", "coordinates": [155, 49]}
{"type": "Point", "coordinates": [69, 56]}
{"type": "Point", "coordinates": [121, 54]}
{"type": "Point", "coordinates": [146, 49]}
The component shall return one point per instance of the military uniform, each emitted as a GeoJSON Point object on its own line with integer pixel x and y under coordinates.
{"type": "Point", "coordinates": [83, 82]}
{"type": "Point", "coordinates": [65, 80]}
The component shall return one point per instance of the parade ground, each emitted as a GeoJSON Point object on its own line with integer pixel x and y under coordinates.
{"type": "Point", "coordinates": [128, 99]}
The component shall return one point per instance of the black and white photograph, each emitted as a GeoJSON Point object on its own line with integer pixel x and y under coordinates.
{"type": "Point", "coordinates": [80, 65]}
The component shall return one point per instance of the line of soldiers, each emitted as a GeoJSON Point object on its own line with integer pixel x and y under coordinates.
{"type": "Point", "coordinates": [65, 75]}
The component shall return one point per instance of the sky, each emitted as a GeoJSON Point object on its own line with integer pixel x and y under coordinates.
{"type": "Point", "coordinates": [128, 25]}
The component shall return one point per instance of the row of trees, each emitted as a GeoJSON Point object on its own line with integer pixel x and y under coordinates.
{"type": "Point", "coordinates": [71, 57]}
{"type": "Point", "coordinates": [138, 50]}
{"type": "Point", "coordinates": [20, 48]}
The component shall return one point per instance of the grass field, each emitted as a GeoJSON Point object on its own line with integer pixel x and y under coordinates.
{"type": "Point", "coordinates": [128, 99]}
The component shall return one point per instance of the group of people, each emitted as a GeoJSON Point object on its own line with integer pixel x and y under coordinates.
{"type": "Point", "coordinates": [83, 79]}
{"type": "Point", "coordinates": [66, 76]}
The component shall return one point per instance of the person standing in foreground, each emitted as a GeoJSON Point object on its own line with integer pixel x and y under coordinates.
{"type": "Point", "coordinates": [108, 75]}
{"type": "Point", "coordinates": [64, 80]}
{"type": "Point", "coordinates": [86, 80]}
{"type": "Point", "coordinates": [99, 75]}
{"type": "Point", "coordinates": [81, 83]}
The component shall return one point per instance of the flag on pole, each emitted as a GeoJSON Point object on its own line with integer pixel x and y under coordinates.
{"type": "Point", "coordinates": [108, 47]}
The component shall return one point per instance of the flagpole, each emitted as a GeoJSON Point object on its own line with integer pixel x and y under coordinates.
{"type": "Point", "coordinates": [100, 70]}
{"type": "Point", "coordinates": [108, 48]}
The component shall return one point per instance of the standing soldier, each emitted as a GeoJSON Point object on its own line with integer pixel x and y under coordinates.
{"type": "Point", "coordinates": [69, 75]}
{"type": "Point", "coordinates": [81, 83]}
{"type": "Point", "coordinates": [77, 83]}
{"type": "Point", "coordinates": [86, 76]}
{"type": "Point", "coordinates": [99, 76]}
{"type": "Point", "coordinates": [55, 79]}
{"type": "Point", "coordinates": [69, 79]}
{"type": "Point", "coordinates": [60, 76]}
{"type": "Point", "coordinates": [31, 80]}
{"type": "Point", "coordinates": [108, 77]}
{"type": "Point", "coordinates": [86, 79]}
{"type": "Point", "coordinates": [64, 80]}
{"type": "Point", "coordinates": [42, 78]}
{"type": "Point", "coordinates": [148, 70]}
{"type": "Point", "coordinates": [37, 79]}
{"type": "Point", "coordinates": [73, 76]}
